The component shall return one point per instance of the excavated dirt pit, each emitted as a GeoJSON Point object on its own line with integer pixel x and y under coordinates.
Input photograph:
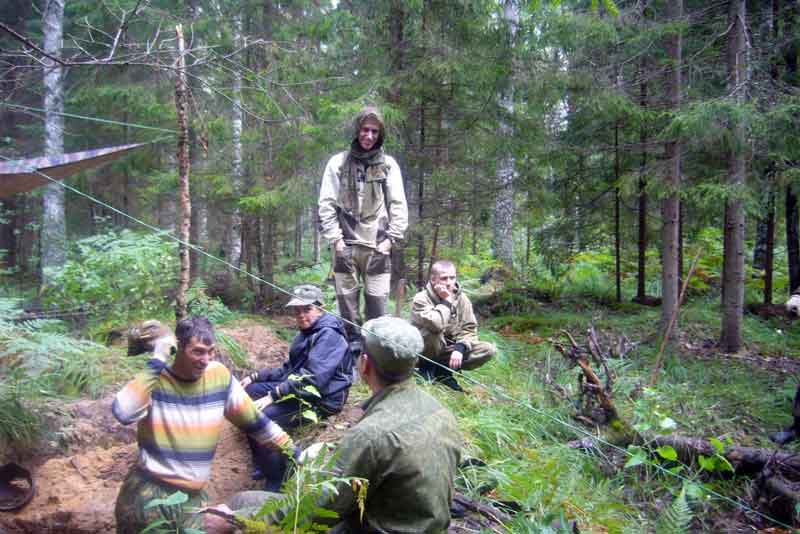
{"type": "Point", "coordinates": [79, 472]}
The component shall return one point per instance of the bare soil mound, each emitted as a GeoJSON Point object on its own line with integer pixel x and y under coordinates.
{"type": "Point", "coordinates": [262, 346]}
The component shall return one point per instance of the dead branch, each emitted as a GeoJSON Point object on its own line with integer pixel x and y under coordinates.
{"type": "Point", "coordinates": [673, 318]}
{"type": "Point", "coordinates": [487, 511]}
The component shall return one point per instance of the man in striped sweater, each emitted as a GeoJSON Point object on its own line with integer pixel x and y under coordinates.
{"type": "Point", "coordinates": [180, 410]}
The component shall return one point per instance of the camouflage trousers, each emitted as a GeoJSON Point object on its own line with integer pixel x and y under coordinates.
{"type": "Point", "coordinates": [438, 349]}
{"type": "Point", "coordinates": [139, 489]}
{"type": "Point", "coordinates": [354, 265]}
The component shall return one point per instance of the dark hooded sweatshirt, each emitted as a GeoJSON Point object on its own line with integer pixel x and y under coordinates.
{"type": "Point", "coordinates": [319, 356]}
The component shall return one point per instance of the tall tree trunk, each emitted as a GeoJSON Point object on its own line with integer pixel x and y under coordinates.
{"type": "Point", "coordinates": [670, 209]}
{"type": "Point", "coordinates": [503, 236]}
{"type": "Point", "coordinates": [298, 234]}
{"type": "Point", "coordinates": [233, 233]}
{"type": "Point", "coordinates": [790, 59]}
{"type": "Point", "coordinates": [769, 261]}
{"type": "Point", "coordinates": [182, 107]}
{"type": "Point", "coordinates": [617, 237]}
{"type": "Point", "coordinates": [420, 200]}
{"type": "Point", "coordinates": [641, 276]}
{"type": "Point", "coordinates": [54, 228]}
{"type": "Point", "coordinates": [268, 259]}
{"type": "Point", "coordinates": [733, 262]}
{"type": "Point", "coordinates": [317, 251]}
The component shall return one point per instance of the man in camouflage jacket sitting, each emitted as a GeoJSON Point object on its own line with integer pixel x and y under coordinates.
{"type": "Point", "coordinates": [444, 316]}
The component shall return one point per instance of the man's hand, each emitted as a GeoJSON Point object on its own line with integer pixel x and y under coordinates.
{"type": "Point", "coordinates": [249, 379]}
{"type": "Point", "coordinates": [455, 360]}
{"type": "Point", "coordinates": [339, 246]}
{"type": "Point", "coordinates": [263, 402]}
{"type": "Point", "coordinates": [163, 346]}
{"type": "Point", "coordinates": [312, 452]}
{"type": "Point", "coordinates": [443, 293]}
{"type": "Point", "coordinates": [385, 246]}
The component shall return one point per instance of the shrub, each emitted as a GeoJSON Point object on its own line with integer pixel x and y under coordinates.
{"type": "Point", "coordinates": [128, 273]}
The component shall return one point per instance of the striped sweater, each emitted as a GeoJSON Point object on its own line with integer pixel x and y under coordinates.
{"type": "Point", "coordinates": [180, 421]}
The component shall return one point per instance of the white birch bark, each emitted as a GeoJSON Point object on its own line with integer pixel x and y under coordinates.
{"type": "Point", "coordinates": [54, 231]}
{"type": "Point", "coordinates": [234, 231]}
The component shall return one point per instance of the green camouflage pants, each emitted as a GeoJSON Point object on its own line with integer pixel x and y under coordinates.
{"type": "Point", "coordinates": [357, 263]}
{"type": "Point", "coordinates": [139, 489]}
{"type": "Point", "coordinates": [436, 348]}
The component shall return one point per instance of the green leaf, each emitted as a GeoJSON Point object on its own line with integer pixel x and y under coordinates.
{"type": "Point", "coordinates": [153, 526]}
{"type": "Point", "coordinates": [637, 457]}
{"type": "Point", "coordinates": [175, 499]}
{"type": "Point", "coordinates": [706, 463]}
{"type": "Point", "coordinates": [667, 452]}
{"type": "Point", "coordinates": [310, 415]}
{"type": "Point", "coordinates": [717, 444]}
{"type": "Point", "coordinates": [311, 389]}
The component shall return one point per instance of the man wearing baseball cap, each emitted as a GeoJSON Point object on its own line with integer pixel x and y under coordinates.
{"type": "Point", "coordinates": [317, 375]}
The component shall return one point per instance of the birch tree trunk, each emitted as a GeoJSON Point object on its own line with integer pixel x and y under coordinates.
{"type": "Point", "coordinates": [54, 230]}
{"type": "Point", "coordinates": [503, 235]}
{"type": "Point", "coordinates": [182, 108]}
{"type": "Point", "coordinates": [233, 233]}
{"type": "Point", "coordinates": [670, 207]}
{"type": "Point", "coordinates": [733, 262]}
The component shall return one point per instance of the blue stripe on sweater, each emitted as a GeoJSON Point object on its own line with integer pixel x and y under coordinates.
{"type": "Point", "coordinates": [194, 400]}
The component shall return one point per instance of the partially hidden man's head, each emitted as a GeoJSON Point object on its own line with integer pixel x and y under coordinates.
{"type": "Point", "coordinates": [793, 305]}
{"type": "Point", "coordinates": [151, 336]}
{"type": "Point", "coordinates": [369, 128]}
{"type": "Point", "coordinates": [444, 272]}
{"type": "Point", "coordinates": [391, 344]}
{"type": "Point", "coordinates": [306, 305]}
{"type": "Point", "coordinates": [196, 347]}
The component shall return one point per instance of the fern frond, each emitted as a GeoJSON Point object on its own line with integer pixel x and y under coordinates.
{"type": "Point", "coordinates": [676, 519]}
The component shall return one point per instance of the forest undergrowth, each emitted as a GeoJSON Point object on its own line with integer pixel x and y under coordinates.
{"type": "Point", "coordinates": [514, 419]}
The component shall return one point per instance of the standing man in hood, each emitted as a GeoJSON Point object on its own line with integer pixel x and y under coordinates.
{"type": "Point", "coordinates": [363, 214]}
{"type": "Point", "coordinates": [444, 316]}
{"type": "Point", "coordinates": [317, 376]}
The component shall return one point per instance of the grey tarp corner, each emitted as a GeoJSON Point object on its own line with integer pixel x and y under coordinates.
{"type": "Point", "coordinates": [20, 175]}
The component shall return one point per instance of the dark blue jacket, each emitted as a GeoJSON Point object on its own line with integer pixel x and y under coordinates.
{"type": "Point", "coordinates": [321, 356]}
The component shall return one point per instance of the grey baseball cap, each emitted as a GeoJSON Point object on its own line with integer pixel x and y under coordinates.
{"type": "Point", "coordinates": [306, 295]}
{"type": "Point", "coordinates": [392, 344]}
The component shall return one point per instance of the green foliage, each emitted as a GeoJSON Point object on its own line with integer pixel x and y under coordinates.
{"type": "Point", "coordinates": [125, 273]}
{"type": "Point", "coordinates": [304, 496]}
{"type": "Point", "coordinates": [37, 358]}
{"type": "Point", "coordinates": [676, 518]}
{"type": "Point", "coordinates": [231, 348]}
{"type": "Point", "coordinates": [168, 526]}
{"type": "Point", "coordinates": [199, 303]}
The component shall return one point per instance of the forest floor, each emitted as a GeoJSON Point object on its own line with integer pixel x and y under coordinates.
{"type": "Point", "coordinates": [739, 398]}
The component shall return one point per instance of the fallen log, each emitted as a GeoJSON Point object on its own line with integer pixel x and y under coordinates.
{"type": "Point", "coordinates": [743, 459]}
